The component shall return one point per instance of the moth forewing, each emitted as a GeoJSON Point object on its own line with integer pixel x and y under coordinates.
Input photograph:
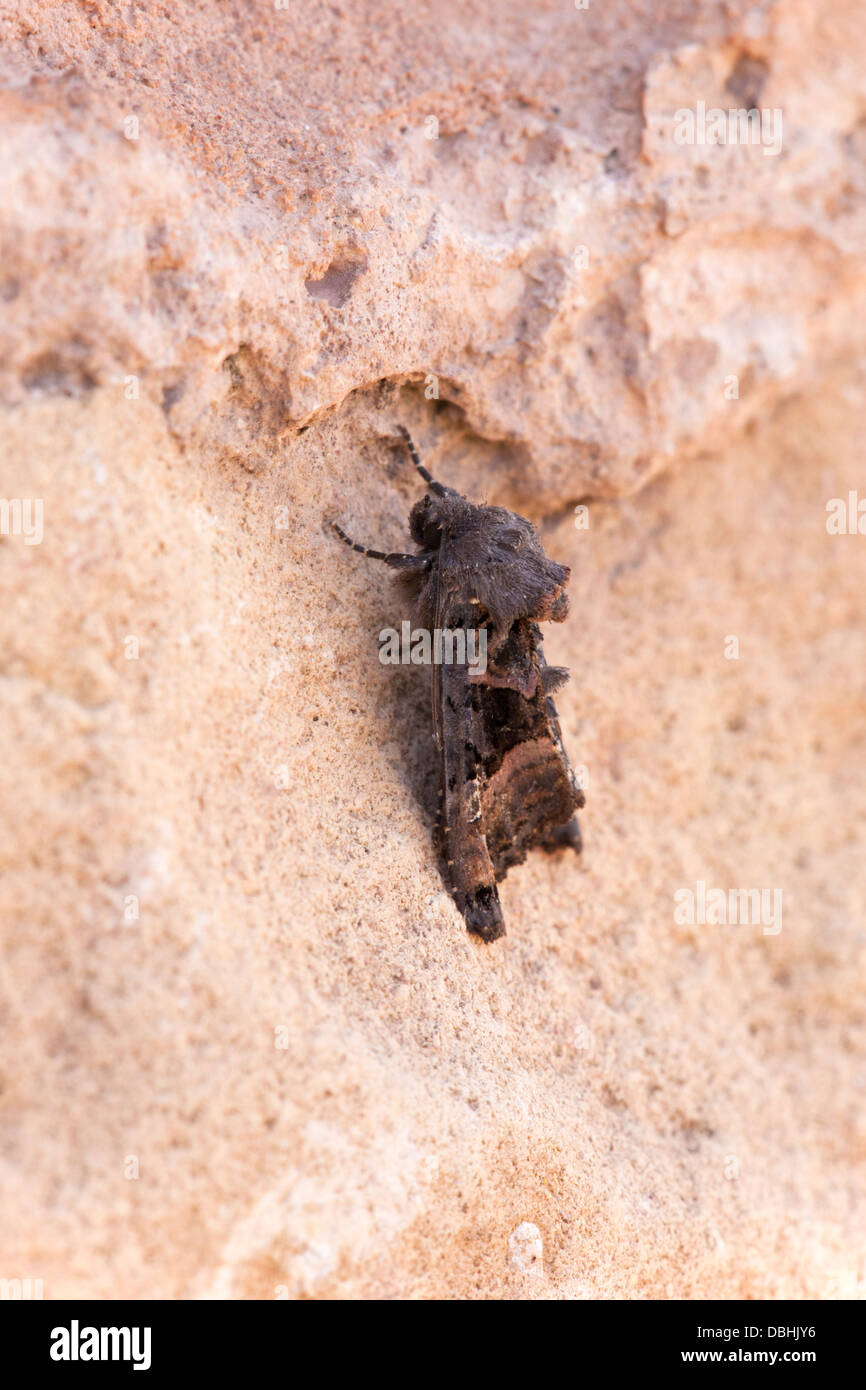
{"type": "Point", "coordinates": [529, 790]}
{"type": "Point", "coordinates": [469, 868]}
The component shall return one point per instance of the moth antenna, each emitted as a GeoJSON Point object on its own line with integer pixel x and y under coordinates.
{"type": "Point", "coordinates": [425, 473]}
{"type": "Point", "coordinates": [394, 558]}
{"type": "Point", "coordinates": [353, 545]}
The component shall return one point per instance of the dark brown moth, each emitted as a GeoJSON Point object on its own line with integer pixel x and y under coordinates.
{"type": "Point", "coordinates": [505, 782]}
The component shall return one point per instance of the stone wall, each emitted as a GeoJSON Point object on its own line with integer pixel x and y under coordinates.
{"type": "Point", "coordinates": [249, 1048]}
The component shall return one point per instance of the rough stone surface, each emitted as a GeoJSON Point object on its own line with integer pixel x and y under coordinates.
{"type": "Point", "coordinates": [232, 259]}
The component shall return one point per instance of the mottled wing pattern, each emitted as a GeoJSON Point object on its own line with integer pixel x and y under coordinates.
{"type": "Point", "coordinates": [469, 867]}
{"type": "Point", "coordinates": [528, 790]}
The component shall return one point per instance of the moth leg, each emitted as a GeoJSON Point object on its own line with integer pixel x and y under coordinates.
{"type": "Point", "coordinates": [469, 867]}
{"type": "Point", "coordinates": [394, 558]}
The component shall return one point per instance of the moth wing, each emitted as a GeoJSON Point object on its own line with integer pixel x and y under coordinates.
{"type": "Point", "coordinates": [528, 789]}
{"type": "Point", "coordinates": [469, 866]}
{"type": "Point", "coordinates": [440, 609]}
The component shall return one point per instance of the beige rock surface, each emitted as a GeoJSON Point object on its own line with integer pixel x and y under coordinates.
{"type": "Point", "coordinates": [228, 962]}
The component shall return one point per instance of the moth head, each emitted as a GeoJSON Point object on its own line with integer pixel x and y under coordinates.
{"type": "Point", "coordinates": [428, 517]}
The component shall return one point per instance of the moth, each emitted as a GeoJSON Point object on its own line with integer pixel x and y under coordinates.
{"type": "Point", "coordinates": [505, 784]}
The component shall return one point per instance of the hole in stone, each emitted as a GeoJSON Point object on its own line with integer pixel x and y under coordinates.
{"type": "Point", "coordinates": [59, 373]}
{"type": "Point", "coordinates": [335, 286]}
{"type": "Point", "coordinates": [746, 80]}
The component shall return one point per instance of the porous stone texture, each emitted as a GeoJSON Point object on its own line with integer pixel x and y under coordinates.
{"type": "Point", "coordinates": [249, 1049]}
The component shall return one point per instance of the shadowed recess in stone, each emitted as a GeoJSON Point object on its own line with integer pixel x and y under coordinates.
{"type": "Point", "coordinates": [336, 284]}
